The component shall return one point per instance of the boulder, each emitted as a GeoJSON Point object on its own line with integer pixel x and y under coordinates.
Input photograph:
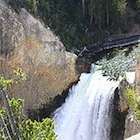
{"type": "Point", "coordinates": [25, 42]}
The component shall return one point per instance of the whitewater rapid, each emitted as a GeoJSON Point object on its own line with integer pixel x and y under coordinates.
{"type": "Point", "coordinates": [86, 113]}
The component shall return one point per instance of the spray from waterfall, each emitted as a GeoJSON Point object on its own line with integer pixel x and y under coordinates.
{"type": "Point", "coordinates": [86, 113]}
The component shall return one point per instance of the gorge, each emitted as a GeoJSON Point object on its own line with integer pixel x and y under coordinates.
{"type": "Point", "coordinates": [92, 110]}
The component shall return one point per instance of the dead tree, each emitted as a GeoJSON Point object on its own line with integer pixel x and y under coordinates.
{"type": "Point", "coordinates": [5, 130]}
{"type": "Point", "coordinates": [12, 120]}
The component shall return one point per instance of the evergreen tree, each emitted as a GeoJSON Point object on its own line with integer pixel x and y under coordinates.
{"type": "Point", "coordinates": [138, 4]}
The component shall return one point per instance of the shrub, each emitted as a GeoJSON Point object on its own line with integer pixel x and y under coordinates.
{"type": "Point", "coordinates": [133, 101]}
{"type": "Point", "coordinates": [130, 97]}
{"type": "Point", "coordinates": [29, 130]}
{"type": "Point", "coordinates": [12, 124]}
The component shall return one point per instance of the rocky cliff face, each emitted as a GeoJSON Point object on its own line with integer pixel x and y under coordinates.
{"type": "Point", "coordinates": [120, 111]}
{"type": "Point", "coordinates": [132, 125]}
{"type": "Point", "coordinates": [124, 122]}
{"type": "Point", "coordinates": [26, 43]}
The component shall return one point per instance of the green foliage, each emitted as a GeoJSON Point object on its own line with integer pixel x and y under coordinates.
{"type": "Point", "coordinates": [138, 4]}
{"type": "Point", "coordinates": [80, 23]}
{"type": "Point", "coordinates": [130, 97]}
{"type": "Point", "coordinates": [32, 4]}
{"type": "Point", "coordinates": [16, 105]}
{"type": "Point", "coordinates": [29, 130]}
{"type": "Point", "coordinates": [18, 77]}
{"type": "Point", "coordinates": [38, 130]}
{"type": "Point", "coordinates": [5, 83]}
{"type": "Point", "coordinates": [121, 6]}
{"type": "Point", "coordinates": [133, 101]}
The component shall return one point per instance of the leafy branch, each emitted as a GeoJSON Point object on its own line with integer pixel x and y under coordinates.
{"type": "Point", "coordinates": [12, 125]}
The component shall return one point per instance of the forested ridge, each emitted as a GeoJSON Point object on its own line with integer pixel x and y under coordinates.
{"type": "Point", "coordinates": [84, 22]}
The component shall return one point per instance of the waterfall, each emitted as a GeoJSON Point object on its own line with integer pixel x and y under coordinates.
{"type": "Point", "coordinates": [86, 113]}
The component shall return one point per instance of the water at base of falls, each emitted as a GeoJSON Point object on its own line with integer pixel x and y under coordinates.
{"type": "Point", "coordinates": [86, 113]}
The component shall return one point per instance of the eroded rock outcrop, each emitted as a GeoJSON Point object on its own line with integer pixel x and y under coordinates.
{"type": "Point", "coordinates": [120, 110]}
{"type": "Point", "coordinates": [124, 122]}
{"type": "Point", "coordinates": [132, 125]}
{"type": "Point", "coordinates": [26, 43]}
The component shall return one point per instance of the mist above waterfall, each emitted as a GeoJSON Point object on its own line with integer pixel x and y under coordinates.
{"type": "Point", "coordinates": [86, 113]}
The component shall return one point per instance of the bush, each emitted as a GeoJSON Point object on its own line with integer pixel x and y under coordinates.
{"type": "Point", "coordinates": [29, 130]}
{"type": "Point", "coordinates": [133, 101]}
{"type": "Point", "coordinates": [130, 97]}
{"type": "Point", "coordinates": [12, 124]}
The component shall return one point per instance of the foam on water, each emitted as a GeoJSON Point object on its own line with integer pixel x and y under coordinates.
{"type": "Point", "coordinates": [86, 113]}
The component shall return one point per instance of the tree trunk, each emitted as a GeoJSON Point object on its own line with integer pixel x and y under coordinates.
{"type": "Point", "coordinates": [83, 7]}
{"type": "Point", "coordinates": [107, 13]}
{"type": "Point", "coordinates": [10, 115]}
{"type": "Point", "coordinates": [5, 130]}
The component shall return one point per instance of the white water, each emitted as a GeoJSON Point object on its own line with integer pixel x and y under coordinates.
{"type": "Point", "coordinates": [86, 114]}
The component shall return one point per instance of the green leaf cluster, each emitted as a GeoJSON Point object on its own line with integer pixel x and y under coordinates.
{"type": "Point", "coordinates": [29, 130]}
{"type": "Point", "coordinates": [5, 83]}
{"type": "Point", "coordinates": [18, 76]}
{"type": "Point", "coordinates": [133, 101]}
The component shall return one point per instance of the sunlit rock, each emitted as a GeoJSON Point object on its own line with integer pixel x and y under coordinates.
{"type": "Point", "coordinates": [26, 43]}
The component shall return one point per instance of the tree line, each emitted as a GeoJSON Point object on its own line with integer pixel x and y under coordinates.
{"type": "Point", "coordinates": [83, 22]}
